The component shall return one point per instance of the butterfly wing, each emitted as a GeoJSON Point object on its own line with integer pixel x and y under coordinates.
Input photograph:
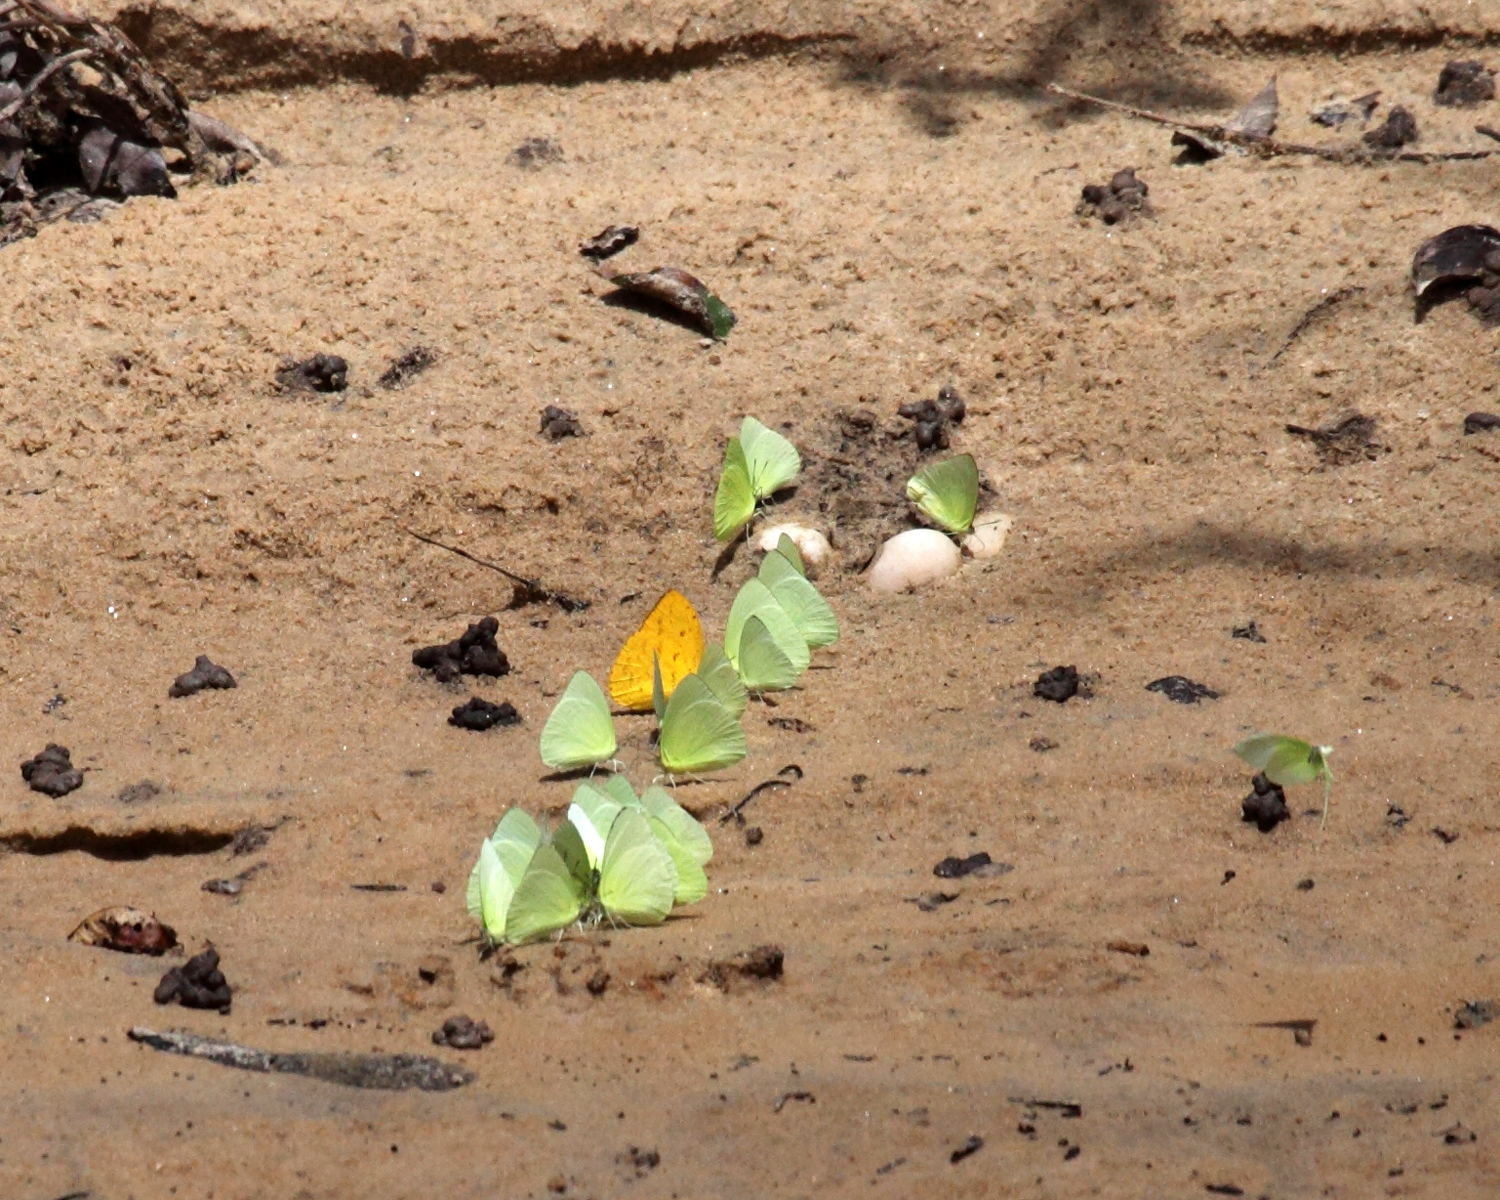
{"type": "Point", "coordinates": [763, 666]}
{"type": "Point", "coordinates": [494, 892]}
{"type": "Point", "coordinates": [801, 601]}
{"type": "Point", "coordinates": [580, 731]}
{"type": "Point", "coordinates": [568, 841]}
{"type": "Point", "coordinates": [548, 899]}
{"type": "Point", "coordinates": [618, 788]}
{"type": "Point", "coordinates": [771, 460]}
{"type": "Point", "coordinates": [514, 841]}
{"type": "Point", "coordinates": [734, 502]}
{"type": "Point", "coordinates": [672, 635]}
{"type": "Point", "coordinates": [723, 680]}
{"type": "Point", "coordinates": [755, 599]}
{"type": "Point", "coordinates": [947, 492]}
{"type": "Point", "coordinates": [684, 827]}
{"type": "Point", "coordinates": [788, 550]}
{"type": "Point", "coordinates": [698, 733]}
{"type": "Point", "coordinates": [1259, 750]}
{"type": "Point", "coordinates": [692, 883]}
{"type": "Point", "coordinates": [592, 813]}
{"type": "Point", "coordinates": [638, 878]}
{"type": "Point", "coordinates": [1293, 763]}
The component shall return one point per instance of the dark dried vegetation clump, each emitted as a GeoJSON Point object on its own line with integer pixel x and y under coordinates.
{"type": "Point", "coordinates": [1124, 196]}
{"type": "Point", "coordinates": [475, 653]}
{"type": "Point", "coordinates": [52, 772]}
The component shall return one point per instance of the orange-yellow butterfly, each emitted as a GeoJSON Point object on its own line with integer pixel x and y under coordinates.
{"type": "Point", "coordinates": [671, 634]}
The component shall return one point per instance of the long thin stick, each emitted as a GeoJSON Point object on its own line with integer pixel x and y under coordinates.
{"type": "Point", "coordinates": [761, 787]}
{"type": "Point", "coordinates": [474, 558]}
{"type": "Point", "coordinates": [41, 77]}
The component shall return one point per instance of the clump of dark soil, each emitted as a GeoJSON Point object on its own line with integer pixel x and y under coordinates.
{"type": "Point", "coordinates": [1059, 685]}
{"type": "Point", "coordinates": [205, 674]}
{"type": "Point", "coordinates": [1343, 440]}
{"type": "Point", "coordinates": [1400, 129]}
{"type": "Point", "coordinates": [1123, 197]}
{"type": "Point", "coordinates": [479, 714]}
{"type": "Point", "coordinates": [462, 1032]}
{"type": "Point", "coordinates": [1464, 84]}
{"type": "Point", "coordinates": [1474, 1014]}
{"type": "Point", "coordinates": [1182, 690]}
{"type": "Point", "coordinates": [52, 772]}
{"type": "Point", "coordinates": [135, 793]}
{"type": "Point", "coordinates": [1480, 422]}
{"type": "Point", "coordinates": [535, 152]}
{"type": "Point", "coordinates": [558, 423]}
{"type": "Point", "coordinates": [933, 417]}
{"type": "Point", "coordinates": [1265, 805]}
{"type": "Point", "coordinates": [980, 864]}
{"type": "Point", "coordinates": [198, 983]}
{"type": "Point", "coordinates": [475, 653]}
{"type": "Point", "coordinates": [760, 965]}
{"type": "Point", "coordinates": [320, 373]}
{"type": "Point", "coordinates": [407, 367]}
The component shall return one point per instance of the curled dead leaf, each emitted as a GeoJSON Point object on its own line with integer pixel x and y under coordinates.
{"type": "Point", "coordinates": [126, 929]}
{"type": "Point", "coordinates": [677, 289]}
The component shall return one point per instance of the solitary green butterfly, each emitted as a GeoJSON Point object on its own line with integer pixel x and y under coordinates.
{"type": "Point", "coordinates": [947, 492]}
{"type": "Point", "coordinates": [757, 463]}
{"type": "Point", "coordinates": [1287, 761]}
{"type": "Point", "coordinates": [637, 876]}
{"type": "Point", "coordinates": [755, 599]}
{"type": "Point", "coordinates": [580, 732]}
{"type": "Point", "coordinates": [808, 610]}
{"type": "Point", "coordinates": [512, 844]}
{"type": "Point", "coordinates": [697, 732]}
{"type": "Point", "coordinates": [763, 665]}
{"type": "Point", "coordinates": [723, 680]}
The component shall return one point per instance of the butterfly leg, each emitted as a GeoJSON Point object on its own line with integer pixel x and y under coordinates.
{"type": "Point", "coordinates": [1327, 789]}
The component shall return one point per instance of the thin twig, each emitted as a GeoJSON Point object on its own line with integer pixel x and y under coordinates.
{"type": "Point", "coordinates": [1488, 131]}
{"type": "Point", "coordinates": [1312, 314]}
{"type": "Point", "coordinates": [761, 787]}
{"type": "Point", "coordinates": [528, 591]}
{"type": "Point", "coordinates": [511, 575]}
{"type": "Point", "coordinates": [41, 77]}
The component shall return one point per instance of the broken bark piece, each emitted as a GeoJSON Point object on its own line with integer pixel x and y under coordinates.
{"type": "Point", "coordinates": [462, 1032]}
{"type": "Point", "coordinates": [126, 929]}
{"type": "Point", "coordinates": [479, 715]}
{"type": "Point", "coordinates": [52, 772]}
{"type": "Point", "coordinates": [1464, 84]}
{"type": "Point", "coordinates": [205, 674]}
{"type": "Point", "coordinates": [610, 242]}
{"type": "Point", "coordinates": [1459, 254]}
{"type": "Point", "coordinates": [474, 653]}
{"type": "Point", "coordinates": [198, 983]}
{"type": "Point", "coordinates": [558, 423]}
{"type": "Point", "coordinates": [685, 293]}
{"type": "Point", "coordinates": [1255, 122]}
{"type": "Point", "coordinates": [1400, 129]}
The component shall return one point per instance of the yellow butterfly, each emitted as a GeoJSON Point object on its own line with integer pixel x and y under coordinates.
{"type": "Point", "coordinates": [671, 634]}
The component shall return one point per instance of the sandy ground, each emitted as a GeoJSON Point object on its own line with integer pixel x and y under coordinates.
{"type": "Point", "coordinates": [878, 235]}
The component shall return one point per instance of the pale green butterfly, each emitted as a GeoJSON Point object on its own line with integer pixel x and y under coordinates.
{"type": "Point", "coordinates": [723, 680]}
{"type": "Point", "coordinates": [580, 732]}
{"type": "Point", "coordinates": [1287, 761]}
{"type": "Point", "coordinates": [592, 813]}
{"type": "Point", "coordinates": [549, 897]}
{"type": "Point", "coordinates": [946, 492]}
{"type": "Point", "coordinates": [788, 550]}
{"type": "Point", "coordinates": [763, 665]}
{"type": "Point", "coordinates": [697, 732]}
{"type": "Point", "coordinates": [619, 787]}
{"type": "Point", "coordinates": [637, 877]}
{"type": "Point", "coordinates": [734, 502]}
{"type": "Point", "coordinates": [757, 463]}
{"type": "Point", "coordinates": [513, 843]}
{"type": "Point", "coordinates": [567, 840]}
{"type": "Point", "coordinates": [755, 599]}
{"type": "Point", "coordinates": [684, 828]}
{"type": "Point", "coordinates": [807, 609]}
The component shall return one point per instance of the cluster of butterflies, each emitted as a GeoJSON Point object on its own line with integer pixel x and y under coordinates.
{"type": "Point", "coordinates": [619, 857]}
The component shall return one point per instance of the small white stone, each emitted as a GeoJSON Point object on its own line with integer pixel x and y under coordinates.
{"type": "Point", "coordinates": [987, 538]}
{"type": "Point", "coordinates": [810, 543]}
{"type": "Point", "coordinates": [913, 558]}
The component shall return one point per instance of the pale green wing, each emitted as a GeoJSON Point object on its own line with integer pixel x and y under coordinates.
{"type": "Point", "coordinates": [638, 878]}
{"type": "Point", "coordinates": [698, 733]}
{"type": "Point", "coordinates": [763, 666]}
{"type": "Point", "coordinates": [723, 680]}
{"type": "Point", "coordinates": [570, 847]}
{"type": "Point", "coordinates": [515, 840]}
{"type": "Point", "coordinates": [592, 813]}
{"type": "Point", "coordinates": [618, 788]}
{"type": "Point", "coordinates": [495, 892]}
{"type": "Point", "coordinates": [1260, 749]}
{"type": "Point", "coordinates": [947, 491]}
{"type": "Point", "coordinates": [692, 883]}
{"type": "Point", "coordinates": [772, 461]}
{"type": "Point", "coordinates": [518, 827]}
{"type": "Point", "coordinates": [549, 899]}
{"type": "Point", "coordinates": [1296, 762]}
{"type": "Point", "coordinates": [808, 610]}
{"type": "Point", "coordinates": [580, 732]}
{"type": "Point", "coordinates": [690, 835]}
{"type": "Point", "coordinates": [788, 550]}
{"type": "Point", "coordinates": [755, 599]}
{"type": "Point", "coordinates": [734, 502]}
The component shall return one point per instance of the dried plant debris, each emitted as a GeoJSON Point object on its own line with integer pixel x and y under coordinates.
{"type": "Point", "coordinates": [1255, 122]}
{"type": "Point", "coordinates": [126, 929]}
{"type": "Point", "coordinates": [135, 793]}
{"type": "Point", "coordinates": [1265, 805]}
{"type": "Point", "coordinates": [462, 1032]}
{"type": "Point", "coordinates": [1475, 1013]}
{"type": "Point", "coordinates": [1248, 632]}
{"type": "Point", "coordinates": [686, 294]}
{"type": "Point", "coordinates": [610, 242]}
{"type": "Point", "coordinates": [1463, 259]}
{"type": "Point", "coordinates": [933, 417]}
{"type": "Point", "coordinates": [479, 714]}
{"type": "Point", "coordinates": [1124, 196]}
{"type": "Point", "coordinates": [1181, 690]}
{"type": "Point", "coordinates": [205, 674]}
{"type": "Point", "coordinates": [760, 965]}
{"type": "Point", "coordinates": [558, 423]}
{"type": "Point", "coordinates": [1400, 129]}
{"type": "Point", "coordinates": [535, 152]}
{"type": "Point", "coordinates": [1337, 111]}
{"type": "Point", "coordinates": [407, 367]}
{"type": "Point", "coordinates": [386, 1072]}
{"type": "Point", "coordinates": [979, 864]}
{"type": "Point", "coordinates": [475, 653]}
{"type": "Point", "coordinates": [320, 373]}
{"type": "Point", "coordinates": [1480, 422]}
{"type": "Point", "coordinates": [52, 772]}
{"type": "Point", "coordinates": [198, 983]}
{"type": "Point", "coordinates": [1346, 439]}
{"type": "Point", "coordinates": [1464, 84]}
{"type": "Point", "coordinates": [1059, 685]}
{"type": "Point", "coordinates": [251, 839]}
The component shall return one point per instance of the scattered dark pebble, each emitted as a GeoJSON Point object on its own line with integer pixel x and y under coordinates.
{"type": "Point", "coordinates": [933, 417]}
{"type": "Point", "coordinates": [1181, 690]}
{"type": "Point", "coordinates": [407, 367]}
{"type": "Point", "coordinates": [1446, 836]}
{"type": "Point", "coordinates": [439, 886]}
{"type": "Point", "coordinates": [1464, 84]}
{"type": "Point", "coordinates": [535, 152]}
{"type": "Point", "coordinates": [1400, 129]}
{"type": "Point", "coordinates": [979, 864]}
{"type": "Point", "coordinates": [1458, 1135]}
{"type": "Point", "coordinates": [205, 674]}
{"type": "Point", "coordinates": [1228, 875]}
{"type": "Point", "coordinates": [1248, 632]}
{"type": "Point", "coordinates": [1265, 805]}
{"type": "Point", "coordinates": [320, 373]}
{"type": "Point", "coordinates": [52, 772]}
{"type": "Point", "coordinates": [250, 839]}
{"type": "Point", "coordinates": [128, 930]}
{"type": "Point", "coordinates": [1122, 197]}
{"type": "Point", "coordinates": [1397, 817]}
{"type": "Point", "coordinates": [224, 887]}
{"type": "Point", "coordinates": [1305, 885]}
{"type": "Point", "coordinates": [558, 423]}
{"type": "Point", "coordinates": [859, 782]}
{"type": "Point", "coordinates": [1223, 1189]}
{"type": "Point", "coordinates": [1060, 684]}
{"type": "Point", "coordinates": [761, 964]}
{"type": "Point", "coordinates": [479, 714]}
{"type": "Point", "coordinates": [598, 982]}
{"type": "Point", "coordinates": [1480, 422]}
{"type": "Point", "coordinates": [135, 793]}
{"type": "Point", "coordinates": [1345, 439]}
{"type": "Point", "coordinates": [971, 1144]}
{"type": "Point", "coordinates": [1475, 1013]}
{"type": "Point", "coordinates": [643, 1160]}
{"type": "Point", "coordinates": [1136, 949]}
{"type": "Point", "coordinates": [911, 770]}
{"type": "Point", "coordinates": [463, 1033]}
{"type": "Point", "coordinates": [198, 983]}
{"type": "Point", "coordinates": [754, 836]}
{"type": "Point", "coordinates": [610, 242]}
{"type": "Point", "coordinates": [54, 704]}
{"type": "Point", "coordinates": [1072, 1153]}
{"type": "Point", "coordinates": [475, 653]}
{"type": "Point", "coordinates": [1042, 744]}
{"type": "Point", "coordinates": [791, 724]}
{"type": "Point", "coordinates": [932, 901]}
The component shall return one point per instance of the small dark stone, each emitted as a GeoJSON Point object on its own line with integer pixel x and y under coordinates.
{"type": "Point", "coordinates": [1480, 422]}
{"type": "Point", "coordinates": [951, 404]}
{"type": "Point", "coordinates": [953, 867]}
{"type": "Point", "coordinates": [1113, 211]}
{"type": "Point", "coordinates": [1265, 805]}
{"type": "Point", "coordinates": [643, 1160]}
{"type": "Point", "coordinates": [558, 423]}
{"type": "Point", "coordinates": [610, 242]}
{"type": "Point", "coordinates": [535, 152]}
{"type": "Point", "coordinates": [1042, 744]}
{"type": "Point", "coordinates": [1248, 632]}
{"type": "Point", "coordinates": [320, 373]}
{"type": "Point", "coordinates": [754, 836]}
{"type": "Point", "coordinates": [971, 1144]}
{"type": "Point", "coordinates": [598, 982]}
{"type": "Point", "coordinates": [1059, 685]}
{"type": "Point", "coordinates": [463, 1033]}
{"type": "Point", "coordinates": [52, 772]}
{"type": "Point", "coordinates": [1464, 84]}
{"type": "Point", "coordinates": [205, 674]}
{"type": "Point", "coordinates": [198, 983]}
{"type": "Point", "coordinates": [475, 653]}
{"type": "Point", "coordinates": [932, 435]}
{"type": "Point", "coordinates": [1305, 885]}
{"type": "Point", "coordinates": [407, 367]}
{"type": "Point", "coordinates": [1181, 690]}
{"type": "Point", "coordinates": [1475, 1013]}
{"type": "Point", "coordinates": [1095, 193]}
{"type": "Point", "coordinates": [250, 839]}
{"type": "Point", "coordinates": [1124, 180]}
{"type": "Point", "coordinates": [479, 714]}
{"type": "Point", "coordinates": [1400, 129]}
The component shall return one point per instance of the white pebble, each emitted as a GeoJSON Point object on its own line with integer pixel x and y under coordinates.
{"type": "Point", "coordinates": [913, 558]}
{"type": "Point", "coordinates": [810, 543]}
{"type": "Point", "coordinates": [987, 538]}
